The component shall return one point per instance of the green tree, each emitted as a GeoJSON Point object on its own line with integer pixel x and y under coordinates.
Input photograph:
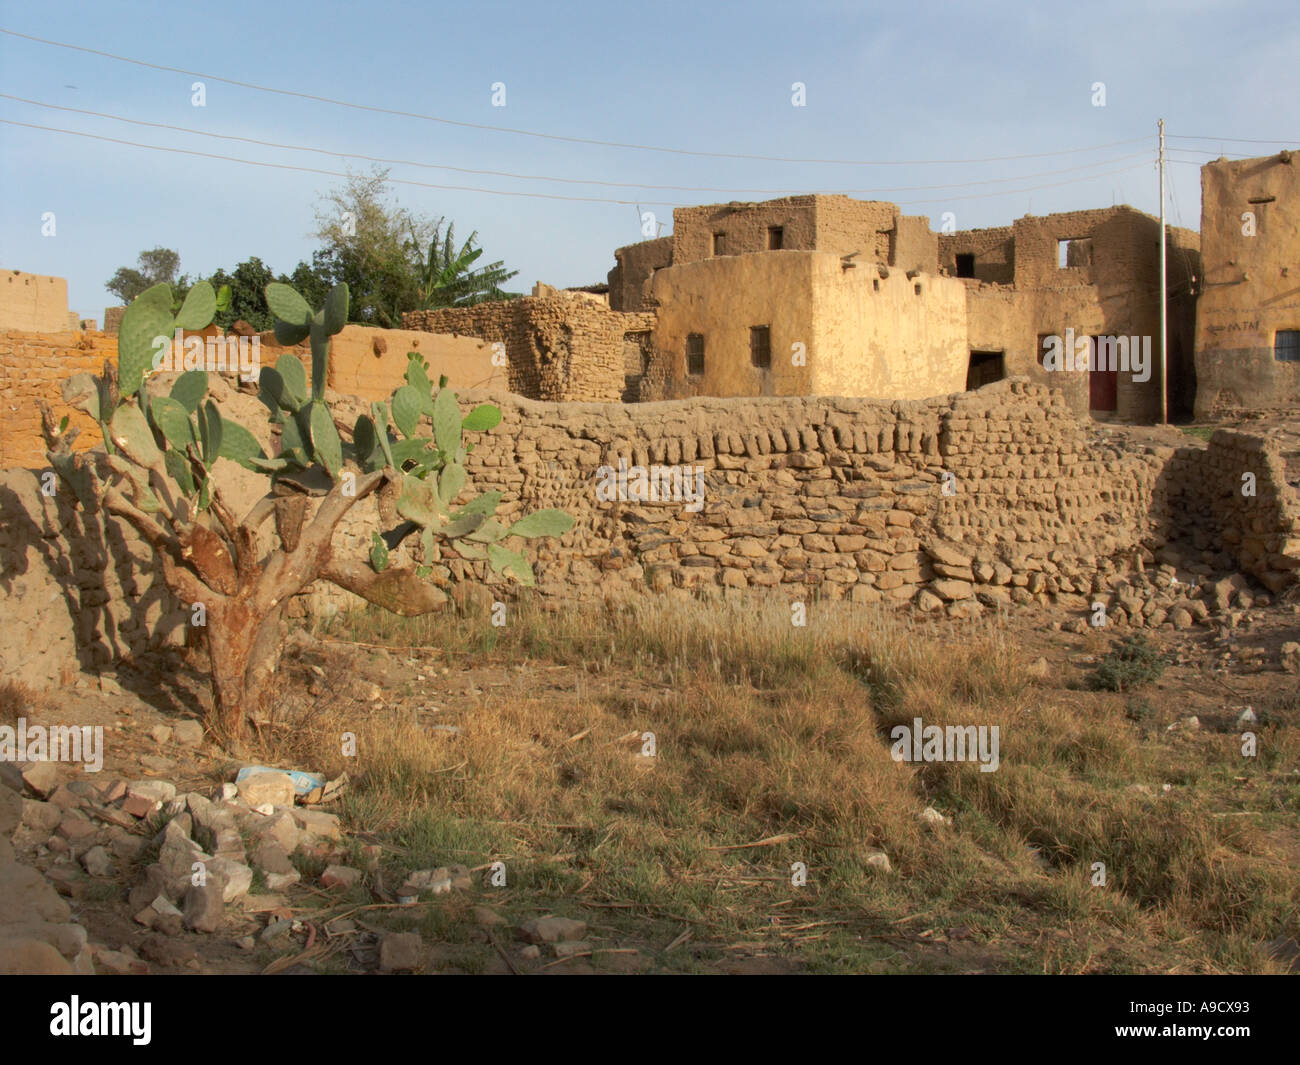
{"type": "Point", "coordinates": [365, 244]}
{"type": "Point", "coordinates": [393, 260]}
{"type": "Point", "coordinates": [153, 267]}
{"type": "Point", "coordinates": [248, 281]}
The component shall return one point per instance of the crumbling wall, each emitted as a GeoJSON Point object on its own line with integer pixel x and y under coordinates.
{"type": "Point", "coordinates": [744, 226]}
{"type": "Point", "coordinates": [636, 265]}
{"type": "Point", "coordinates": [994, 252]}
{"type": "Point", "coordinates": [567, 347]}
{"type": "Point", "coordinates": [845, 225]}
{"type": "Point", "coordinates": [1238, 487]}
{"type": "Point", "coordinates": [1250, 217]}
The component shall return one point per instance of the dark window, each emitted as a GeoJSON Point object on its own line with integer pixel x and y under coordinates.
{"type": "Point", "coordinates": [1074, 253]}
{"type": "Point", "coordinates": [1042, 346]}
{"type": "Point", "coordinates": [965, 264]}
{"type": "Point", "coordinates": [875, 284]}
{"type": "Point", "coordinates": [1286, 345]}
{"type": "Point", "coordinates": [695, 354]}
{"type": "Point", "coordinates": [917, 288]}
{"type": "Point", "coordinates": [775, 237]}
{"type": "Point", "coordinates": [719, 244]}
{"type": "Point", "coordinates": [760, 346]}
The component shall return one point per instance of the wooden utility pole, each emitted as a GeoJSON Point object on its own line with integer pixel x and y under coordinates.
{"type": "Point", "coordinates": [1164, 288]}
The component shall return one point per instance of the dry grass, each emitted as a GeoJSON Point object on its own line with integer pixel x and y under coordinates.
{"type": "Point", "coordinates": [16, 700]}
{"type": "Point", "coordinates": [767, 730]}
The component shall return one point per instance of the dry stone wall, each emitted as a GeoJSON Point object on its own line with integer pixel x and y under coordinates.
{"type": "Point", "coordinates": [956, 504]}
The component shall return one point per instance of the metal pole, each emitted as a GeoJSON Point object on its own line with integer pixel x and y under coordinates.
{"type": "Point", "coordinates": [1164, 287]}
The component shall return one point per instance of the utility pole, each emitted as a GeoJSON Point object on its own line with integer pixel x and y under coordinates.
{"type": "Point", "coordinates": [1164, 288]}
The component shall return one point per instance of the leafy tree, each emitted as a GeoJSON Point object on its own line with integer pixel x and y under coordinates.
{"type": "Point", "coordinates": [156, 476]}
{"type": "Point", "coordinates": [448, 280]}
{"type": "Point", "coordinates": [248, 281]}
{"type": "Point", "coordinates": [394, 261]}
{"type": "Point", "coordinates": [365, 245]}
{"type": "Point", "coordinates": [157, 266]}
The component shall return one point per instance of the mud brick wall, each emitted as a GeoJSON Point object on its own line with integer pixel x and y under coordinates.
{"type": "Point", "coordinates": [837, 498]}
{"type": "Point", "coordinates": [1262, 531]}
{"type": "Point", "coordinates": [78, 593]}
{"type": "Point", "coordinates": [557, 347]}
{"type": "Point", "coordinates": [33, 367]}
{"type": "Point", "coordinates": [959, 504]}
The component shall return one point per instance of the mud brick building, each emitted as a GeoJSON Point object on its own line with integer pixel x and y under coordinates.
{"type": "Point", "coordinates": [1248, 316]}
{"type": "Point", "coordinates": [1080, 274]}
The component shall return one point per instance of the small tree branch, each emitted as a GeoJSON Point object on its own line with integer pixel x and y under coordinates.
{"type": "Point", "coordinates": [258, 513]}
{"type": "Point", "coordinates": [115, 503]}
{"type": "Point", "coordinates": [397, 590]}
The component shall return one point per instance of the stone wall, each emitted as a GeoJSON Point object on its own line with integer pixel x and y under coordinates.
{"type": "Point", "coordinates": [1250, 218]}
{"type": "Point", "coordinates": [1238, 488]}
{"type": "Point", "coordinates": [78, 594]}
{"type": "Point", "coordinates": [960, 503]}
{"type": "Point", "coordinates": [831, 497]}
{"type": "Point", "coordinates": [564, 347]}
{"type": "Point", "coordinates": [33, 367]}
{"type": "Point", "coordinates": [994, 252]}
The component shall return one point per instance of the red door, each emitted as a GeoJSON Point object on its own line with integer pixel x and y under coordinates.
{"type": "Point", "coordinates": [1103, 389]}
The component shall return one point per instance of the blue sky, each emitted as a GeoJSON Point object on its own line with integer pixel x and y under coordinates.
{"type": "Point", "coordinates": [884, 82]}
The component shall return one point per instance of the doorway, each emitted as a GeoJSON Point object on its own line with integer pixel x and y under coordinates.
{"type": "Point", "coordinates": [985, 368]}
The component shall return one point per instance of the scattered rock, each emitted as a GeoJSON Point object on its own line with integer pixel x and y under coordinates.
{"type": "Point", "coordinates": [40, 815]}
{"type": "Point", "coordinates": [931, 816]}
{"type": "Point", "coordinates": [552, 930]}
{"type": "Point", "coordinates": [118, 962]}
{"type": "Point", "coordinates": [401, 952]}
{"type": "Point", "coordinates": [336, 876]}
{"type": "Point", "coordinates": [188, 733]}
{"type": "Point", "coordinates": [1290, 657]}
{"type": "Point", "coordinates": [879, 861]}
{"type": "Point", "coordinates": [204, 906]}
{"type": "Point", "coordinates": [571, 948]}
{"type": "Point", "coordinates": [160, 734]}
{"type": "Point", "coordinates": [140, 806]}
{"type": "Point", "coordinates": [530, 952]}
{"type": "Point", "coordinates": [41, 778]}
{"type": "Point", "coordinates": [488, 917]}
{"type": "Point", "coordinates": [97, 862]}
{"type": "Point", "coordinates": [271, 787]}
{"type": "Point", "coordinates": [155, 791]}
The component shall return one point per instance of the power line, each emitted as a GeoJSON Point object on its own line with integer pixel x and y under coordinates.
{"type": "Point", "coordinates": [505, 192]}
{"type": "Point", "coordinates": [554, 136]}
{"type": "Point", "coordinates": [544, 177]}
{"type": "Point", "coordinates": [328, 173]}
{"type": "Point", "coordinates": [1236, 140]}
